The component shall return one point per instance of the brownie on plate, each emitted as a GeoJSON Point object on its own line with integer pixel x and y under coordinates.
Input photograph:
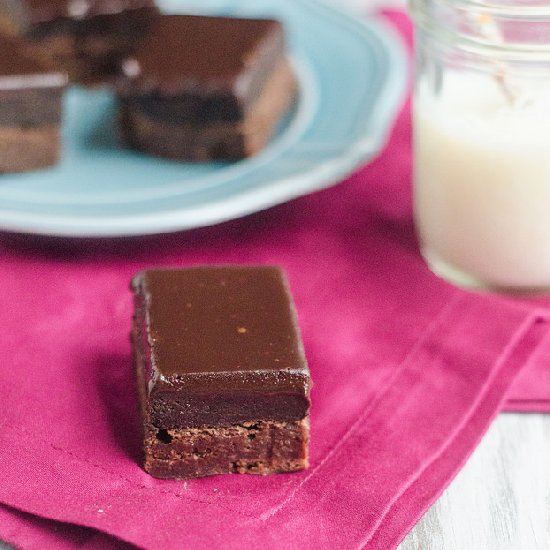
{"type": "Point", "coordinates": [205, 88]}
{"type": "Point", "coordinates": [30, 110]}
{"type": "Point", "coordinates": [87, 38]}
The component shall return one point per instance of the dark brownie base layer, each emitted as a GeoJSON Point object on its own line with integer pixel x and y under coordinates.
{"type": "Point", "coordinates": [263, 447]}
{"type": "Point", "coordinates": [24, 149]}
{"type": "Point", "coordinates": [216, 140]}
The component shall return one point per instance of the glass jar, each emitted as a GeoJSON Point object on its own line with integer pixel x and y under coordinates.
{"type": "Point", "coordinates": [481, 141]}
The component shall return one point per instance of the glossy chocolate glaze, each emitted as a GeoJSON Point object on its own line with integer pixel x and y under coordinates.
{"type": "Point", "coordinates": [200, 68]}
{"type": "Point", "coordinates": [30, 94]}
{"type": "Point", "coordinates": [219, 345]}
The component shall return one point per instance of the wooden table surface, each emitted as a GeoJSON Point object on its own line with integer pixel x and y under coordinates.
{"type": "Point", "coordinates": [501, 498]}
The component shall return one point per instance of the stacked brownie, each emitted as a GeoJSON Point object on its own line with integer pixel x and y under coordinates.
{"type": "Point", "coordinates": [192, 88]}
{"type": "Point", "coordinates": [224, 385]}
{"type": "Point", "coordinates": [42, 44]}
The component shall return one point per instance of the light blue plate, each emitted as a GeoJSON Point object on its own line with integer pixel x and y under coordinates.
{"type": "Point", "coordinates": [352, 77]}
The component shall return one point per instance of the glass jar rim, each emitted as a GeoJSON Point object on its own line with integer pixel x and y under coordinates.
{"type": "Point", "coordinates": [513, 9]}
{"type": "Point", "coordinates": [517, 8]}
{"type": "Point", "coordinates": [441, 20]}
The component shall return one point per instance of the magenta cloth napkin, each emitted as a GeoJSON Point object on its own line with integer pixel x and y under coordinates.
{"type": "Point", "coordinates": [408, 371]}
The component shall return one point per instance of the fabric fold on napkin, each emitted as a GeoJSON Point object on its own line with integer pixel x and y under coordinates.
{"type": "Point", "coordinates": [32, 532]}
{"type": "Point", "coordinates": [408, 372]}
{"type": "Point", "coordinates": [419, 495]}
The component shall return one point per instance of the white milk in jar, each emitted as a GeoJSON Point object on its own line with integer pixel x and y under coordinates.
{"type": "Point", "coordinates": [481, 139]}
{"type": "Point", "coordinates": [482, 181]}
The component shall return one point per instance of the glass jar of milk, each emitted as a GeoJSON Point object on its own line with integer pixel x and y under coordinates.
{"type": "Point", "coordinates": [481, 125]}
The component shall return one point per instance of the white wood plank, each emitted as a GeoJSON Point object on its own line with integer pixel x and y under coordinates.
{"type": "Point", "coordinates": [501, 498]}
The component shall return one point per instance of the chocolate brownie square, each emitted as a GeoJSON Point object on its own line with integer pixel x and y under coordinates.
{"type": "Point", "coordinates": [202, 88]}
{"type": "Point", "coordinates": [223, 380]}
